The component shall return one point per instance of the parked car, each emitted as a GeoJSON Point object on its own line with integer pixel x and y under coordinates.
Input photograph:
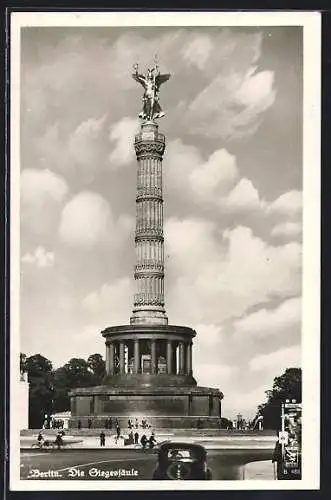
{"type": "Point", "coordinates": [182, 461]}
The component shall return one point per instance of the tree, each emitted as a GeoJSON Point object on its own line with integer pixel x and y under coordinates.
{"type": "Point", "coordinates": [75, 373]}
{"type": "Point", "coordinates": [40, 376]}
{"type": "Point", "coordinates": [37, 365]}
{"type": "Point", "coordinates": [49, 388]}
{"type": "Point", "coordinates": [286, 386]}
{"type": "Point", "coordinates": [78, 373]}
{"type": "Point", "coordinates": [98, 367]}
{"type": "Point", "coordinates": [61, 390]}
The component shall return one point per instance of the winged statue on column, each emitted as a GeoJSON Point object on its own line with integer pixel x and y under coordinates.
{"type": "Point", "coordinates": [151, 82]}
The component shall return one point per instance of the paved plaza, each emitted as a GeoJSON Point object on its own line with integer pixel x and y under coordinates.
{"type": "Point", "coordinates": [230, 457]}
{"type": "Point", "coordinates": [99, 464]}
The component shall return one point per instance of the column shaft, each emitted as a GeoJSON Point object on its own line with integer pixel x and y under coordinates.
{"type": "Point", "coordinates": [169, 357]}
{"type": "Point", "coordinates": [107, 359]}
{"type": "Point", "coordinates": [111, 358]}
{"type": "Point", "coordinates": [174, 359]}
{"type": "Point", "coordinates": [153, 357]}
{"type": "Point", "coordinates": [189, 358]}
{"type": "Point", "coordinates": [149, 298]}
{"type": "Point", "coordinates": [122, 359]}
{"type": "Point", "coordinates": [181, 358]}
{"type": "Point", "coordinates": [136, 356]}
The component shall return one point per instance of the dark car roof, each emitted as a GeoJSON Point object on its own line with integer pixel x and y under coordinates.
{"type": "Point", "coordinates": [183, 446]}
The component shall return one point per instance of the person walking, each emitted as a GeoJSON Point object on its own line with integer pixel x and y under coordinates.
{"type": "Point", "coordinates": [89, 423]}
{"type": "Point", "coordinates": [40, 439]}
{"type": "Point", "coordinates": [59, 441]}
{"type": "Point", "coordinates": [151, 441]}
{"type": "Point", "coordinates": [79, 425]}
{"type": "Point", "coordinates": [143, 441]}
{"type": "Point", "coordinates": [136, 437]}
{"type": "Point", "coordinates": [131, 438]}
{"type": "Point", "coordinates": [118, 433]}
{"type": "Point", "coordinates": [102, 438]}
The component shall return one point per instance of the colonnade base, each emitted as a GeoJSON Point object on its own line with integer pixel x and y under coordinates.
{"type": "Point", "coordinates": [148, 376]}
{"type": "Point", "coordinates": [161, 407]}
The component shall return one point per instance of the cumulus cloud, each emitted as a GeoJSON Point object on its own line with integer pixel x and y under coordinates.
{"type": "Point", "coordinates": [212, 182]}
{"type": "Point", "coordinates": [213, 178]}
{"type": "Point", "coordinates": [121, 137]}
{"type": "Point", "coordinates": [112, 303]}
{"type": "Point", "coordinates": [85, 142]}
{"type": "Point", "coordinates": [278, 361]}
{"type": "Point", "coordinates": [288, 204]}
{"type": "Point", "coordinates": [197, 51]}
{"type": "Point", "coordinates": [215, 182]}
{"type": "Point", "coordinates": [243, 197]}
{"type": "Point", "coordinates": [288, 229]}
{"type": "Point", "coordinates": [284, 319]}
{"type": "Point", "coordinates": [232, 105]}
{"type": "Point", "coordinates": [79, 151]}
{"type": "Point", "coordinates": [221, 276]}
{"type": "Point", "coordinates": [86, 220]}
{"type": "Point", "coordinates": [40, 186]}
{"type": "Point", "coordinates": [205, 181]}
{"type": "Point", "coordinates": [226, 94]}
{"type": "Point", "coordinates": [39, 257]}
{"type": "Point", "coordinates": [42, 195]}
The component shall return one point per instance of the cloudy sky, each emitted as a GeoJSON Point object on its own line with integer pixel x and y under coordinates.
{"type": "Point", "coordinates": [232, 183]}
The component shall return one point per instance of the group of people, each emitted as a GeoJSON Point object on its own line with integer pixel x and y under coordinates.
{"type": "Point", "coordinates": [58, 439]}
{"type": "Point", "coordinates": [110, 424]}
{"type": "Point", "coordinates": [133, 438]}
{"type": "Point", "coordinates": [144, 424]}
{"type": "Point", "coordinates": [148, 442]}
{"type": "Point", "coordinates": [52, 423]}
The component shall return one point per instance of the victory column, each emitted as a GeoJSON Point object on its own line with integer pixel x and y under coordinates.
{"type": "Point", "coordinates": [148, 362]}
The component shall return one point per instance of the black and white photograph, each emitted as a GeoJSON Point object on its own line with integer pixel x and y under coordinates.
{"type": "Point", "coordinates": [165, 250]}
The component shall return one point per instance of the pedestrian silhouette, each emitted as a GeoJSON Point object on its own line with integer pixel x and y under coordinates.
{"type": "Point", "coordinates": [143, 441]}
{"type": "Point", "coordinates": [102, 438]}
